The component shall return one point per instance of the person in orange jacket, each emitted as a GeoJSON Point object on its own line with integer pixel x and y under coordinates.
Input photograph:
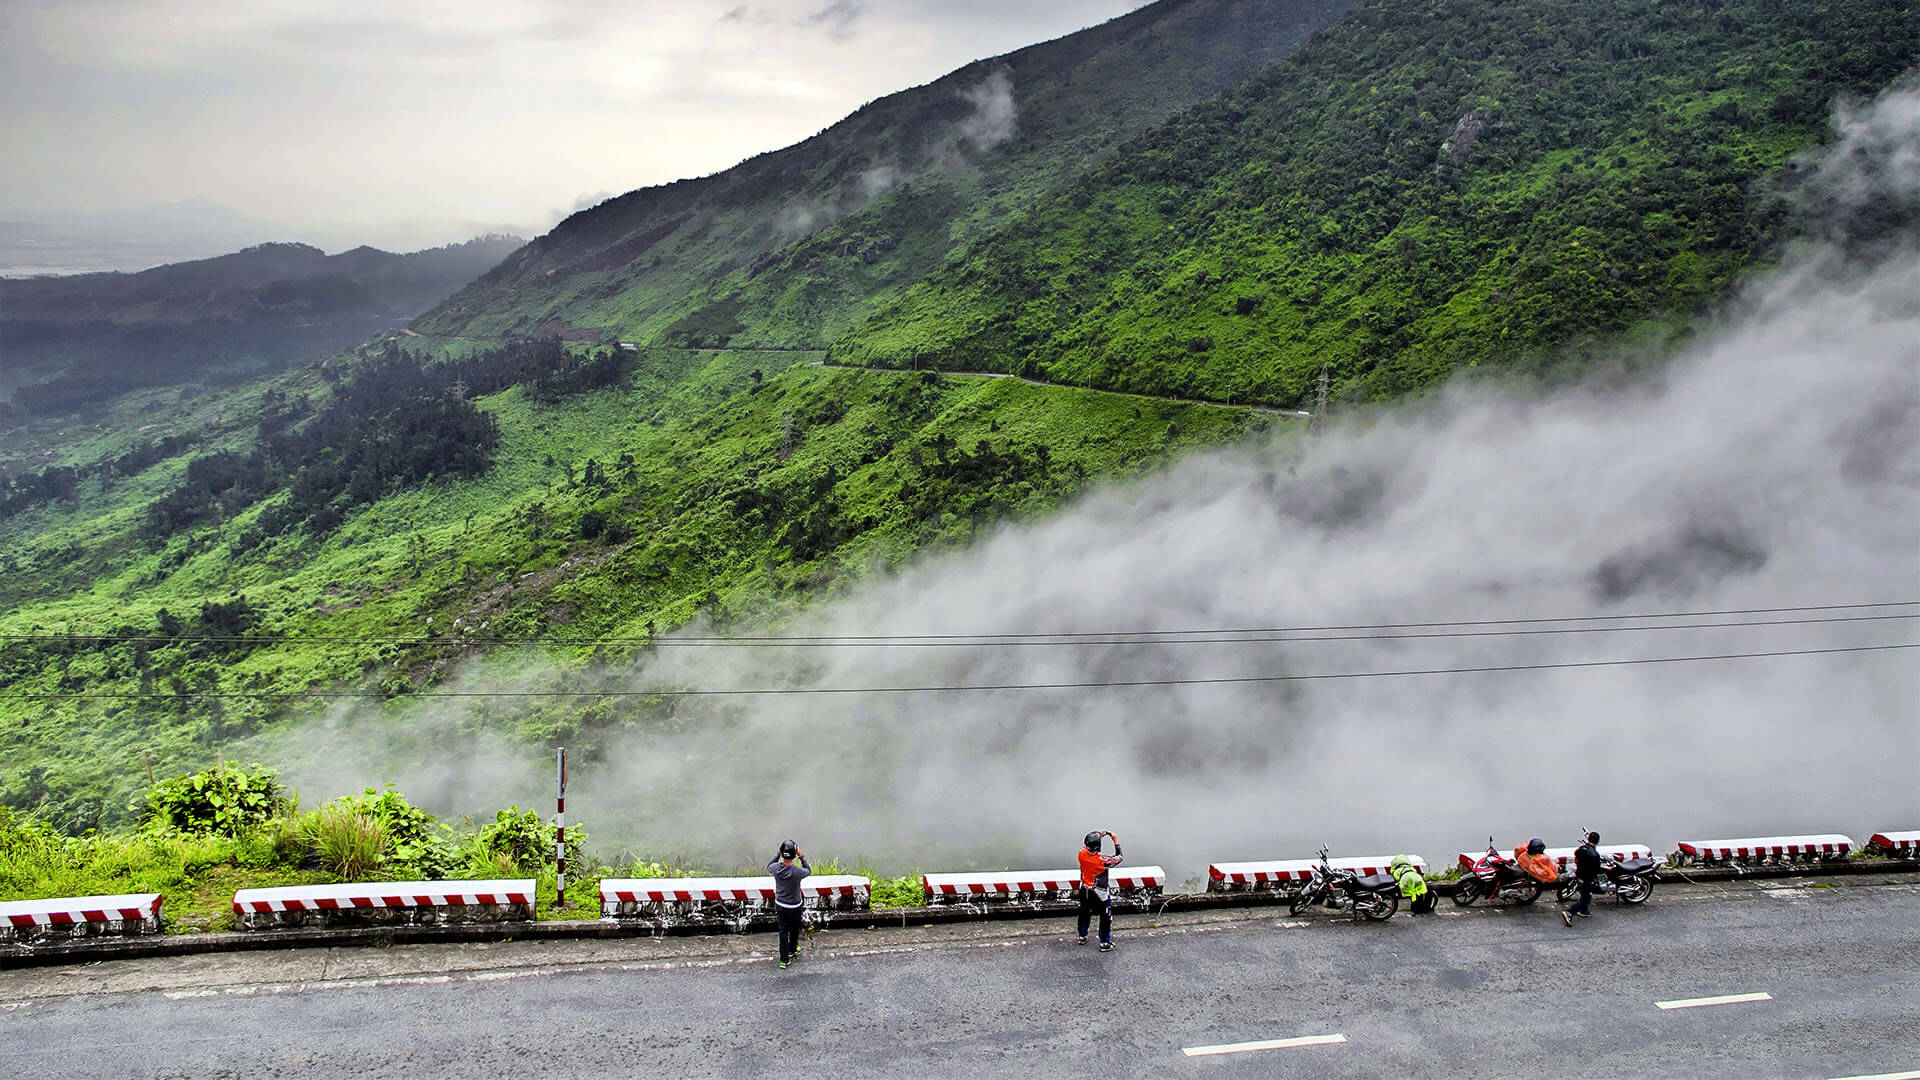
{"type": "Point", "coordinates": [1096, 889]}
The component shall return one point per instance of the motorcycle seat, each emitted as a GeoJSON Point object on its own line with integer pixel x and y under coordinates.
{"type": "Point", "coordinates": [1635, 866]}
{"type": "Point", "coordinates": [1376, 882]}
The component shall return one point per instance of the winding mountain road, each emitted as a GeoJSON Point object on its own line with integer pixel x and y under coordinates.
{"type": "Point", "coordinates": [1290, 414]}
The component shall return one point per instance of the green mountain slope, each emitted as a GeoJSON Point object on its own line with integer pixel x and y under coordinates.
{"type": "Point", "coordinates": [792, 247]}
{"type": "Point", "coordinates": [1421, 188]}
{"type": "Point", "coordinates": [718, 484]}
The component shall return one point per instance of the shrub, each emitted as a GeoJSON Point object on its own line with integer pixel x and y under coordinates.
{"type": "Point", "coordinates": [417, 842]}
{"type": "Point", "coordinates": [225, 799]}
{"type": "Point", "coordinates": [520, 837]}
{"type": "Point", "coordinates": [898, 892]}
{"type": "Point", "coordinates": [347, 843]}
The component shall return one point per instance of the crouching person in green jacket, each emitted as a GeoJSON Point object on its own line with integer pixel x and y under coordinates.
{"type": "Point", "coordinates": [1413, 885]}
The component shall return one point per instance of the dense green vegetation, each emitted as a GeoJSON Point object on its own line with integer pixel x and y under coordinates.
{"type": "Point", "coordinates": [203, 836]}
{"type": "Point", "coordinates": [1422, 188]}
{"type": "Point", "coordinates": [791, 248]}
{"type": "Point", "coordinates": [200, 837]}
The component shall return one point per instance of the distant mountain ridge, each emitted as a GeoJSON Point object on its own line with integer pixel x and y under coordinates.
{"type": "Point", "coordinates": [239, 285]}
{"type": "Point", "coordinates": [78, 339]}
{"type": "Point", "coordinates": [793, 247]}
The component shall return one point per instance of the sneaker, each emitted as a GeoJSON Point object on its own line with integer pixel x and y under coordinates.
{"type": "Point", "coordinates": [1566, 918]}
{"type": "Point", "coordinates": [1106, 946]}
{"type": "Point", "coordinates": [784, 963]}
{"type": "Point", "coordinates": [1082, 941]}
{"type": "Point", "coordinates": [1585, 914]}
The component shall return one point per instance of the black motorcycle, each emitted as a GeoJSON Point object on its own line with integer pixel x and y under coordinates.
{"type": "Point", "coordinates": [1375, 896]}
{"type": "Point", "coordinates": [1630, 881]}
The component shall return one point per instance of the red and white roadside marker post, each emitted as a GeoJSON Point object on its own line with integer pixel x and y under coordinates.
{"type": "Point", "coordinates": [560, 827]}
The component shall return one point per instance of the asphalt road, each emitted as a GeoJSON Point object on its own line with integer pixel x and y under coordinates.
{"type": "Point", "coordinates": [1467, 994]}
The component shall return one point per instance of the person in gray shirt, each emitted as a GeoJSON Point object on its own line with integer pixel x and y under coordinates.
{"type": "Point", "coordinates": [788, 869]}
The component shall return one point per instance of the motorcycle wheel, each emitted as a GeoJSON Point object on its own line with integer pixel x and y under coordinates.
{"type": "Point", "coordinates": [1379, 906]}
{"type": "Point", "coordinates": [1566, 891]}
{"type": "Point", "coordinates": [1467, 893]}
{"type": "Point", "coordinates": [1302, 900]}
{"type": "Point", "coordinates": [1526, 892]}
{"type": "Point", "coordinates": [1635, 890]}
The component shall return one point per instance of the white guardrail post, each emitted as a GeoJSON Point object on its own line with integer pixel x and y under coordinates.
{"type": "Point", "coordinates": [560, 828]}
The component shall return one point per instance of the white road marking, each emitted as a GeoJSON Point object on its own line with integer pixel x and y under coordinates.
{"type": "Point", "coordinates": [297, 988]}
{"type": "Point", "coordinates": [1264, 1044]}
{"type": "Point", "coordinates": [1725, 999]}
{"type": "Point", "coordinates": [1910, 1074]}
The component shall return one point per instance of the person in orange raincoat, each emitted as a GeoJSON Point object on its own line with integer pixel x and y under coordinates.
{"type": "Point", "coordinates": [1533, 859]}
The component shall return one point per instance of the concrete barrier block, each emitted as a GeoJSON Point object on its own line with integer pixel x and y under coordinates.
{"type": "Point", "coordinates": [735, 902]}
{"type": "Point", "coordinates": [80, 916]}
{"type": "Point", "coordinates": [1900, 845]}
{"type": "Point", "coordinates": [1754, 850]}
{"type": "Point", "coordinates": [1286, 875]}
{"type": "Point", "coordinates": [385, 902]}
{"type": "Point", "coordinates": [1132, 884]}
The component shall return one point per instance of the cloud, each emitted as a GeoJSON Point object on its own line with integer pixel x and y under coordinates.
{"type": "Point", "coordinates": [277, 108]}
{"type": "Point", "coordinates": [992, 120]}
{"type": "Point", "coordinates": [1771, 465]}
{"type": "Point", "coordinates": [877, 180]}
{"type": "Point", "coordinates": [839, 17]}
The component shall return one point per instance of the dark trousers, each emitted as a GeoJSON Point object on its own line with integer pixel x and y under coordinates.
{"type": "Point", "coordinates": [1584, 901]}
{"type": "Point", "coordinates": [789, 931]}
{"type": "Point", "coordinates": [1090, 902]}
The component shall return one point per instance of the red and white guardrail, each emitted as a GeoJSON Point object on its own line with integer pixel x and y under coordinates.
{"type": "Point", "coordinates": [395, 901]}
{"type": "Point", "coordinates": [1286, 873]}
{"type": "Point", "coordinates": [130, 913]}
{"type": "Point", "coordinates": [1818, 847]}
{"type": "Point", "coordinates": [689, 896]}
{"type": "Point", "coordinates": [1036, 884]}
{"type": "Point", "coordinates": [1899, 844]}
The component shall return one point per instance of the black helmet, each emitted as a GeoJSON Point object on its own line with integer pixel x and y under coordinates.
{"type": "Point", "coordinates": [1536, 845]}
{"type": "Point", "coordinates": [1093, 840]}
{"type": "Point", "coordinates": [1593, 838]}
{"type": "Point", "coordinates": [788, 849]}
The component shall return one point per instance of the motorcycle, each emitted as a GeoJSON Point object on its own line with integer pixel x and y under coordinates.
{"type": "Point", "coordinates": [1631, 881]}
{"type": "Point", "coordinates": [1375, 896]}
{"type": "Point", "coordinates": [1496, 877]}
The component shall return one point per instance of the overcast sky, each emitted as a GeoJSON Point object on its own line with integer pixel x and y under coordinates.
{"type": "Point", "coordinates": [423, 120]}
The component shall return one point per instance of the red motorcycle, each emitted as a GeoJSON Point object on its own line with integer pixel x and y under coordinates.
{"type": "Point", "coordinates": [1496, 877]}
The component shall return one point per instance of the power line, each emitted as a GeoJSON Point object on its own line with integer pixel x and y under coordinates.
{"type": "Point", "coordinates": [1102, 684]}
{"type": "Point", "coordinates": [1227, 635]}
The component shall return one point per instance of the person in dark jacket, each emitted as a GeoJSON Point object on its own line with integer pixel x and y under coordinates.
{"type": "Point", "coordinates": [788, 868]}
{"type": "Point", "coordinates": [1586, 871]}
